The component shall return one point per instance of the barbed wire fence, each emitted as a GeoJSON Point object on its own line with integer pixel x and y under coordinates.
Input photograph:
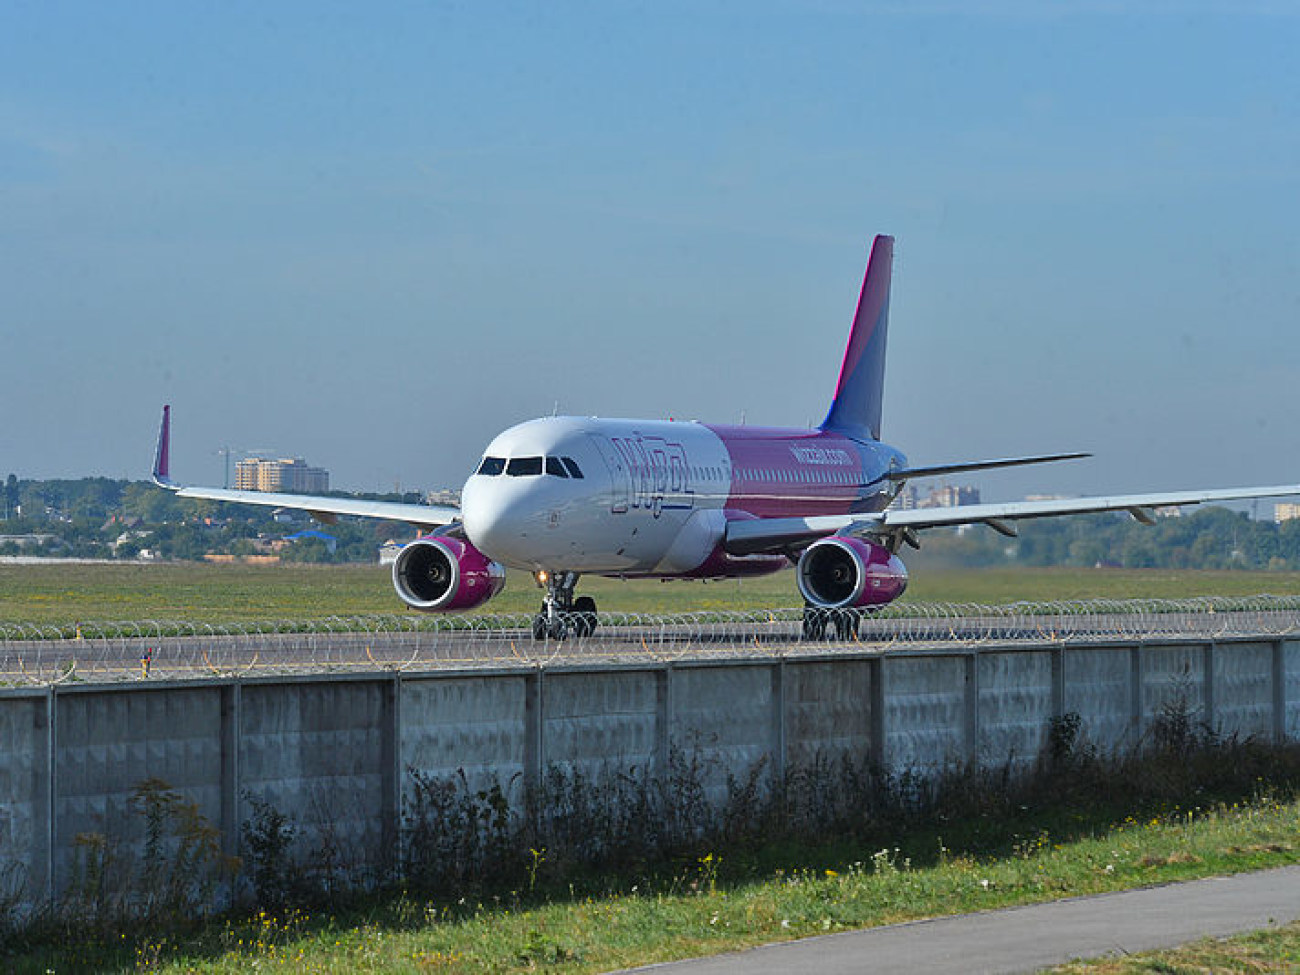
{"type": "Point", "coordinates": [171, 649]}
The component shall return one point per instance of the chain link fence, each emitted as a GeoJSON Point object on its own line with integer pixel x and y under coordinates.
{"type": "Point", "coordinates": [159, 649]}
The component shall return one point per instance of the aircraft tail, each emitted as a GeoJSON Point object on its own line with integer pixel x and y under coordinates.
{"type": "Point", "coordinates": [162, 455]}
{"type": "Point", "coordinates": [855, 410]}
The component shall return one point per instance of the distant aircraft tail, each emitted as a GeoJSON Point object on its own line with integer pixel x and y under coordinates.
{"type": "Point", "coordinates": [162, 455]}
{"type": "Point", "coordinates": [855, 410]}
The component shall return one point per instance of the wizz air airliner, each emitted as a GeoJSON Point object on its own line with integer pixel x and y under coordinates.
{"type": "Point", "coordinates": [566, 496]}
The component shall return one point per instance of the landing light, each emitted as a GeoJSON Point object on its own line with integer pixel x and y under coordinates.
{"type": "Point", "coordinates": [541, 577]}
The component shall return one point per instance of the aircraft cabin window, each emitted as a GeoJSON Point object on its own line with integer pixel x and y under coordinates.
{"type": "Point", "coordinates": [491, 466]}
{"type": "Point", "coordinates": [572, 465]}
{"type": "Point", "coordinates": [555, 468]}
{"type": "Point", "coordinates": [524, 466]}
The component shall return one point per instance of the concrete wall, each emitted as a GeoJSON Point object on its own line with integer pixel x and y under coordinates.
{"type": "Point", "coordinates": [107, 742]}
{"type": "Point", "coordinates": [321, 752]}
{"type": "Point", "coordinates": [1015, 703]}
{"type": "Point", "coordinates": [1103, 685]}
{"type": "Point", "coordinates": [335, 753]}
{"type": "Point", "coordinates": [24, 795]}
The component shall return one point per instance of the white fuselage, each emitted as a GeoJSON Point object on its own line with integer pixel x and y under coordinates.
{"type": "Point", "coordinates": [637, 497]}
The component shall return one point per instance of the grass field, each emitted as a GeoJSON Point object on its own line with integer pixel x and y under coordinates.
{"type": "Point", "coordinates": [71, 592]}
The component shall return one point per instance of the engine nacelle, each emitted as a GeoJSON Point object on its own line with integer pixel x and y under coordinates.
{"type": "Point", "coordinates": [439, 574]}
{"type": "Point", "coordinates": [844, 572]}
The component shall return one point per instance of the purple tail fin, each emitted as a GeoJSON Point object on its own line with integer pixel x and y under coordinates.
{"type": "Point", "coordinates": [855, 410]}
{"type": "Point", "coordinates": [162, 456]}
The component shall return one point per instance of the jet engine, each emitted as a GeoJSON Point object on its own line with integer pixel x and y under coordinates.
{"type": "Point", "coordinates": [440, 574]}
{"type": "Point", "coordinates": [845, 572]}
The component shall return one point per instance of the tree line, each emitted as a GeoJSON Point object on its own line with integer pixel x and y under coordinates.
{"type": "Point", "coordinates": [1202, 538]}
{"type": "Point", "coordinates": [97, 517]}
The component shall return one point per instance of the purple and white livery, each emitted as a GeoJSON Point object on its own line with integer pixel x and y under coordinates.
{"type": "Point", "coordinates": [562, 497]}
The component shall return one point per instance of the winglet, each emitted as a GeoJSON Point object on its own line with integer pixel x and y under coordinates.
{"type": "Point", "coordinates": [162, 456]}
{"type": "Point", "coordinates": [856, 408]}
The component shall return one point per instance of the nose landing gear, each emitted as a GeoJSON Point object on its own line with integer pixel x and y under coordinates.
{"type": "Point", "coordinates": [562, 616]}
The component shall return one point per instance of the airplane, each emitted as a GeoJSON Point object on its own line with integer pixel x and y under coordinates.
{"type": "Point", "coordinates": [567, 496]}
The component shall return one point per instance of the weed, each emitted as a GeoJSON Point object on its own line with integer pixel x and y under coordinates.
{"type": "Point", "coordinates": [708, 877]}
{"type": "Point", "coordinates": [1063, 741]}
{"type": "Point", "coordinates": [542, 949]}
{"type": "Point", "coordinates": [268, 836]}
{"type": "Point", "coordinates": [13, 893]}
{"type": "Point", "coordinates": [96, 874]}
{"type": "Point", "coordinates": [172, 877]}
{"type": "Point", "coordinates": [538, 857]}
{"type": "Point", "coordinates": [182, 861]}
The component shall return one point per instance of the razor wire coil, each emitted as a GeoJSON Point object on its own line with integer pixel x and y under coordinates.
{"type": "Point", "coordinates": [46, 654]}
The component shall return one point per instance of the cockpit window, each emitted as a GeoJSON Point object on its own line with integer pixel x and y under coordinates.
{"type": "Point", "coordinates": [572, 465]}
{"type": "Point", "coordinates": [555, 468]}
{"type": "Point", "coordinates": [491, 466]}
{"type": "Point", "coordinates": [524, 466]}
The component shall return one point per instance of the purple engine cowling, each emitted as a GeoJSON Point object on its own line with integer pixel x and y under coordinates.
{"type": "Point", "coordinates": [441, 574]}
{"type": "Point", "coordinates": [842, 572]}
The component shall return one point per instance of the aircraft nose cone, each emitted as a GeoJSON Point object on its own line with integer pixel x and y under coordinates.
{"type": "Point", "coordinates": [492, 522]}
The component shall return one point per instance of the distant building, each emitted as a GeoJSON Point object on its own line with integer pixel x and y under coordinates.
{"type": "Point", "coordinates": [331, 543]}
{"type": "Point", "coordinates": [1285, 511]}
{"type": "Point", "coordinates": [293, 475]}
{"type": "Point", "coordinates": [947, 496]}
{"type": "Point", "coordinates": [22, 541]}
{"type": "Point", "coordinates": [952, 496]}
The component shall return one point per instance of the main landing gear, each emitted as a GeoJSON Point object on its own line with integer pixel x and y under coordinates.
{"type": "Point", "coordinates": [561, 615]}
{"type": "Point", "coordinates": [816, 621]}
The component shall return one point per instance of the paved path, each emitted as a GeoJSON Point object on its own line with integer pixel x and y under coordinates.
{"type": "Point", "coordinates": [1026, 939]}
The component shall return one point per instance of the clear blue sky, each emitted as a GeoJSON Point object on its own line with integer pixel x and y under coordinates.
{"type": "Point", "coordinates": [374, 235]}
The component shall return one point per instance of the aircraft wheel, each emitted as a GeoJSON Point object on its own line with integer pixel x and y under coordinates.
{"type": "Point", "coordinates": [814, 623]}
{"type": "Point", "coordinates": [846, 624]}
{"type": "Point", "coordinates": [539, 627]}
{"type": "Point", "coordinates": [584, 608]}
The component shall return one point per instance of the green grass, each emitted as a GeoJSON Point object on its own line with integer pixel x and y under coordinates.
{"type": "Point", "coordinates": [701, 910]}
{"type": "Point", "coordinates": [1271, 950]}
{"type": "Point", "coordinates": [66, 593]}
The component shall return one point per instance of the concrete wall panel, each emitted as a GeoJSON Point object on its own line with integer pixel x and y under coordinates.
{"type": "Point", "coordinates": [1243, 689]}
{"type": "Point", "coordinates": [827, 711]}
{"type": "Point", "coordinates": [925, 712]}
{"type": "Point", "coordinates": [475, 724]}
{"type": "Point", "coordinates": [108, 743]}
{"type": "Point", "coordinates": [1291, 686]}
{"type": "Point", "coordinates": [314, 751]}
{"type": "Point", "coordinates": [1099, 688]}
{"type": "Point", "coordinates": [24, 817]}
{"type": "Point", "coordinates": [1015, 706]}
{"type": "Point", "coordinates": [723, 720]}
{"type": "Point", "coordinates": [1173, 678]}
{"type": "Point", "coordinates": [600, 722]}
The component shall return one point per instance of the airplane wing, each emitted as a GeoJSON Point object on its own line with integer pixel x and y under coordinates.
{"type": "Point", "coordinates": [322, 508]}
{"type": "Point", "coordinates": [778, 534]}
{"type": "Point", "coordinates": [907, 473]}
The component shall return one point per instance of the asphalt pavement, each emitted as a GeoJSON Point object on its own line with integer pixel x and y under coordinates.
{"type": "Point", "coordinates": [1028, 939]}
